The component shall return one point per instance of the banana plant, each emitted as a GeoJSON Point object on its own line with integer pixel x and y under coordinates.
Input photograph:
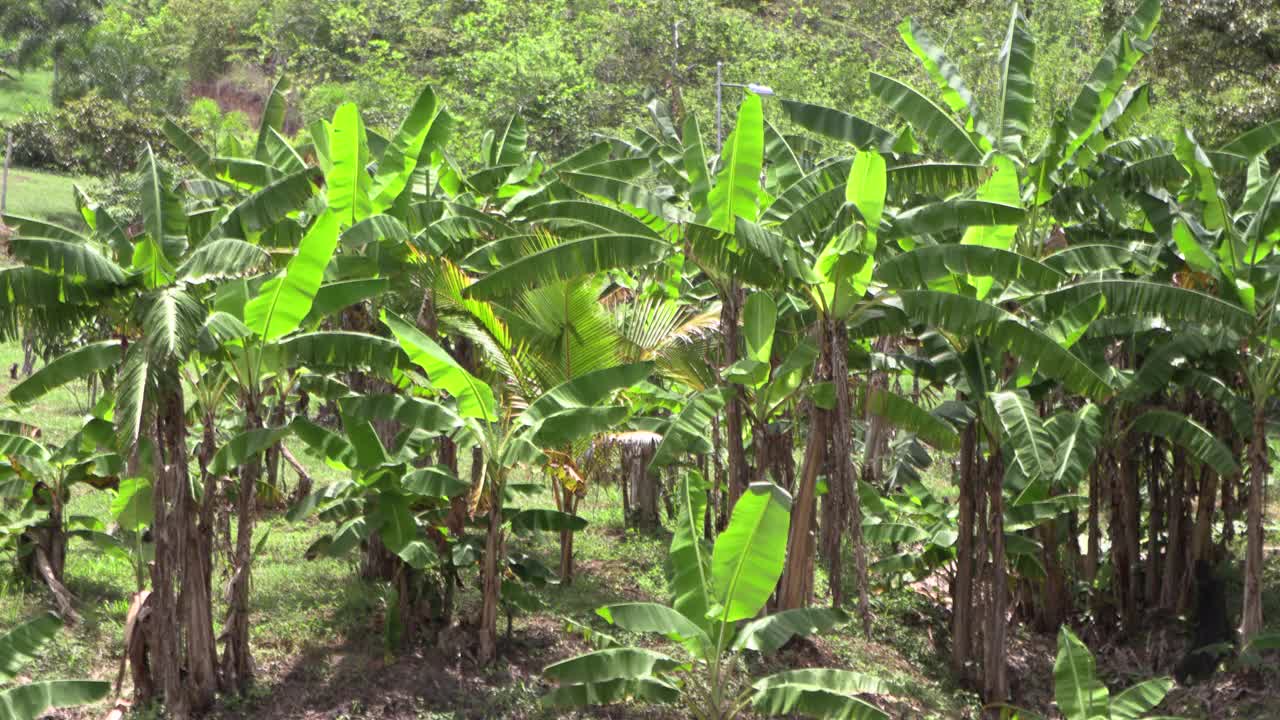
{"type": "Point", "coordinates": [39, 480]}
{"type": "Point", "coordinates": [389, 496]}
{"type": "Point", "coordinates": [510, 440]}
{"type": "Point", "coordinates": [1058, 453]}
{"type": "Point", "coordinates": [31, 700]}
{"type": "Point", "coordinates": [717, 595]}
{"type": "Point", "coordinates": [1080, 695]}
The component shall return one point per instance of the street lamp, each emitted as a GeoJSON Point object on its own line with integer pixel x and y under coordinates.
{"type": "Point", "coordinates": [757, 88]}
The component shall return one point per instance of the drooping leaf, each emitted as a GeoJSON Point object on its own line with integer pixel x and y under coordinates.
{"type": "Point", "coordinates": [131, 394]}
{"type": "Point", "coordinates": [568, 260]}
{"type": "Point", "coordinates": [74, 365]}
{"type": "Point", "coordinates": [270, 205]}
{"type": "Point", "coordinates": [769, 633]}
{"type": "Point", "coordinates": [930, 120]}
{"type": "Point", "coordinates": [132, 506]}
{"type": "Point", "coordinates": [1132, 703]}
{"type": "Point", "coordinates": [1024, 433]}
{"type": "Point", "coordinates": [343, 350]}
{"type": "Point", "coordinates": [687, 431]}
{"type": "Point", "coordinates": [1076, 437]}
{"type": "Point", "coordinates": [1149, 299]}
{"type": "Point", "coordinates": [965, 316]}
{"type": "Point", "coordinates": [866, 189]}
{"type": "Point", "coordinates": [542, 520]}
{"type": "Point", "coordinates": [330, 445]}
{"type": "Point", "coordinates": [333, 297]}
{"type": "Point", "coordinates": [171, 320]}
{"type": "Point", "coordinates": [647, 617]}
{"type": "Point", "coordinates": [905, 414]}
{"type": "Point", "coordinates": [190, 148]}
{"type": "Point", "coordinates": [923, 265]}
{"type": "Point", "coordinates": [584, 391]}
{"type": "Point", "coordinates": [610, 664]}
{"type": "Point", "coordinates": [30, 701]}
{"type": "Point", "coordinates": [1254, 142]}
{"type": "Point", "coordinates": [837, 125]}
{"type": "Point", "coordinates": [1198, 441]}
{"type": "Point", "coordinates": [244, 446]}
{"type": "Point", "coordinates": [223, 258]}
{"type": "Point", "coordinates": [949, 215]}
{"type": "Point", "coordinates": [819, 693]}
{"type": "Point", "coordinates": [19, 645]}
{"type": "Point", "coordinates": [75, 262]}
{"type": "Point", "coordinates": [568, 426]}
{"type": "Point", "coordinates": [410, 411]}
{"type": "Point", "coordinates": [434, 481]}
{"type": "Point", "coordinates": [890, 533]}
{"type": "Point", "coordinates": [475, 398]}
{"type": "Point", "coordinates": [610, 691]}
{"type": "Point", "coordinates": [759, 316]}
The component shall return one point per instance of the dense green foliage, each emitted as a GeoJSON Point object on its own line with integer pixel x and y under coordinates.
{"type": "Point", "coordinates": [575, 68]}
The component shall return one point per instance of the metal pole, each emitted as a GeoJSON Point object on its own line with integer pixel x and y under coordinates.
{"type": "Point", "coordinates": [719, 133]}
{"type": "Point", "coordinates": [675, 48]}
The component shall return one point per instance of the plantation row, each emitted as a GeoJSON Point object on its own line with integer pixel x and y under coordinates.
{"type": "Point", "coordinates": [1086, 326]}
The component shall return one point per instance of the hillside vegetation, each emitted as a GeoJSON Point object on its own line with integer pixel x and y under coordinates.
{"type": "Point", "coordinates": [386, 359]}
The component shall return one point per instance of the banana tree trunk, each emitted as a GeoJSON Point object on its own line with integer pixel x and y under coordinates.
{"type": "Point", "coordinates": [272, 493]}
{"type": "Point", "coordinates": [44, 552]}
{"type": "Point", "coordinates": [1201, 534]}
{"type": "Point", "coordinates": [739, 473]}
{"type": "Point", "coordinates": [644, 485]}
{"type": "Point", "coordinates": [1230, 511]}
{"type": "Point", "coordinates": [1124, 530]}
{"type": "Point", "coordinates": [962, 593]}
{"type": "Point", "coordinates": [1053, 598]}
{"type": "Point", "coordinates": [1094, 544]}
{"type": "Point", "coordinates": [844, 479]}
{"type": "Point", "coordinates": [187, 676]}
{"type": "Point", "coordinates": [995, 682]}
{"type": "Point", "coordinates": [835, 505]}
{"type": "Point", "coordinates": [1156, 521]}
{"type": "Point", "coordinates": [715, 501]}
{"type": "Point", "coordinates": [566, 539]}
{"type": "Point", "coordinates": [1176, 552]}
{"type": "Point", "coordinates": [1251, 618]}
{"type": "Point", "coordinates": [796, 588]}
{"type": "Point", "coordinates": [237, 662]}
{"type": "Point", "coordinates": [492, 584]}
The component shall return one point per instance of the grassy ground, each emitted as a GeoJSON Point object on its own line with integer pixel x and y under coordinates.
{"type": "Point", "coordinates": [29, 90]}
{"type": "Point", "coordinates": [38, 194]}
{"type": "Point", "coordinates": [317, 628]}
{"type": "Point", "coordinates": [31, 192]}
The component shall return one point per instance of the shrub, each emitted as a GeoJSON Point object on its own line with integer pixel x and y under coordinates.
{"type": "Point", "coordinates": [89, 135]}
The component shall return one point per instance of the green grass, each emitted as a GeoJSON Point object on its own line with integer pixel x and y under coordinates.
{"type": "Point", "coordinates": [29, 90]}
{"type": "Point", "coordinates": [34, 193]}
{"type": "Point", "coordinates": [44, 195]}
